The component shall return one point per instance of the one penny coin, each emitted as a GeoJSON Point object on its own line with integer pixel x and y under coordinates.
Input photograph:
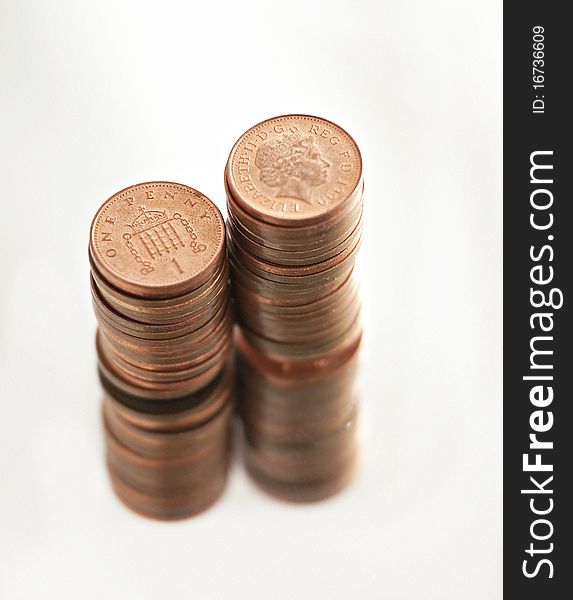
{"type": "Point", "coordinates": [157, 239]}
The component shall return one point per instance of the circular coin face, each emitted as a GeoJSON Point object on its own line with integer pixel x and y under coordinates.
{"type": "Point", "coordinates": [157, 239]}
{"type": "Point", "coordinates": [294, 170]}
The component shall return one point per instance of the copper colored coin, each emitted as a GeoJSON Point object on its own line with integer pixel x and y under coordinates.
{"type": "Point", "coordinates": [153, 310]}
{"type": "Point", "coordinates": [294, 170]}
{"type": "Point", "coordinates": [299, 491]}
{"type": "Point", "coordinates": [159, 391]}
{"type": "Point", "coordinates": [191, 443]}
{"type": "Point", "coordinates": [294, 292]}
{"type": "Point", "coordinates": [311, 350]}
{"type": "Point", "coordinates": [157, 239]}
{"type": "Point", "coordinates": [178, 414]}
{"type": "Point", "coordinates": [172, 472]}
{"type": "Point", "coordinates": [296, 273]}
{"type": "Point", "coordinates": [313, 461]}
{"type": "Point", "coordinates": [298, 413]}
{"type": "Point", "coordinates": [300, 433]}
{"type": "Point", "coordinates": [175, 358]}
{"type": "Point", "coordinates": [288, 369]}
{"type": "Point", "coordinates": [302, 237]}
{"type": "Point", "coordinates": [154, 332]}
{"type": "Point", "coordinates": [180, 349]}
{"type": "Point", "coordinates": [167, 507]}
{"type": "Point", "coordinates": [307, 335]}
{"type": "Point", "coordinates": [338, 300]}
{"type": "Point", "coordinates": [150, 374]}
{"type": "Point", "coordinates": [169, 459]}
{"type": "Point", "coordinates": [245, 290]}
{"type": "Point", "coordinates": [333, 245]}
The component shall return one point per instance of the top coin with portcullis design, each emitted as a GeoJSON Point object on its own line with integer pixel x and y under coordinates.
{"type": "Point", "coordinates": [157, 239]}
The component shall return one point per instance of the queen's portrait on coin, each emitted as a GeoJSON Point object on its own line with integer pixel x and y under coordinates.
{"type": "Point", "coordinates": [293, 164]}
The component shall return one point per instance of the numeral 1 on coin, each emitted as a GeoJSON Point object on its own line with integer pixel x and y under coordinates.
{"type": "Point", "coordinates": [177, 265]}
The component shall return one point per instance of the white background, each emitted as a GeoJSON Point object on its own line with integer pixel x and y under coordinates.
{"type": "Point", "coordinates": [98, 95]}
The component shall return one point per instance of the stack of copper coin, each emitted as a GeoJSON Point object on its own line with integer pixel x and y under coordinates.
{"type": "Point", "coordinates": [295, 196]}
{"type": "Point", "coordinates": [159, 281]}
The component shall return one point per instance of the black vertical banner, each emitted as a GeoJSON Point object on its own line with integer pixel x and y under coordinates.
{"type": "Point", "coordinates": [538, 301]}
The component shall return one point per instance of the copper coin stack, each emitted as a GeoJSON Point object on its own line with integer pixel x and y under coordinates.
{"type": "Point", "coordinates": [295, 197]}
{"type": "Point", "coordinates": [159, 282]}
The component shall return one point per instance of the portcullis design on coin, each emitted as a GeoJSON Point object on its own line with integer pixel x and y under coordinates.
{"type": "Point", "coordinates": [156, 238]}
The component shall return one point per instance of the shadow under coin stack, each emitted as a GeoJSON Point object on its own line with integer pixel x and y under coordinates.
{"type": "Point", "coordinates": [295, 196]}
{"type": "Point", "coordinates": [159, 282]}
